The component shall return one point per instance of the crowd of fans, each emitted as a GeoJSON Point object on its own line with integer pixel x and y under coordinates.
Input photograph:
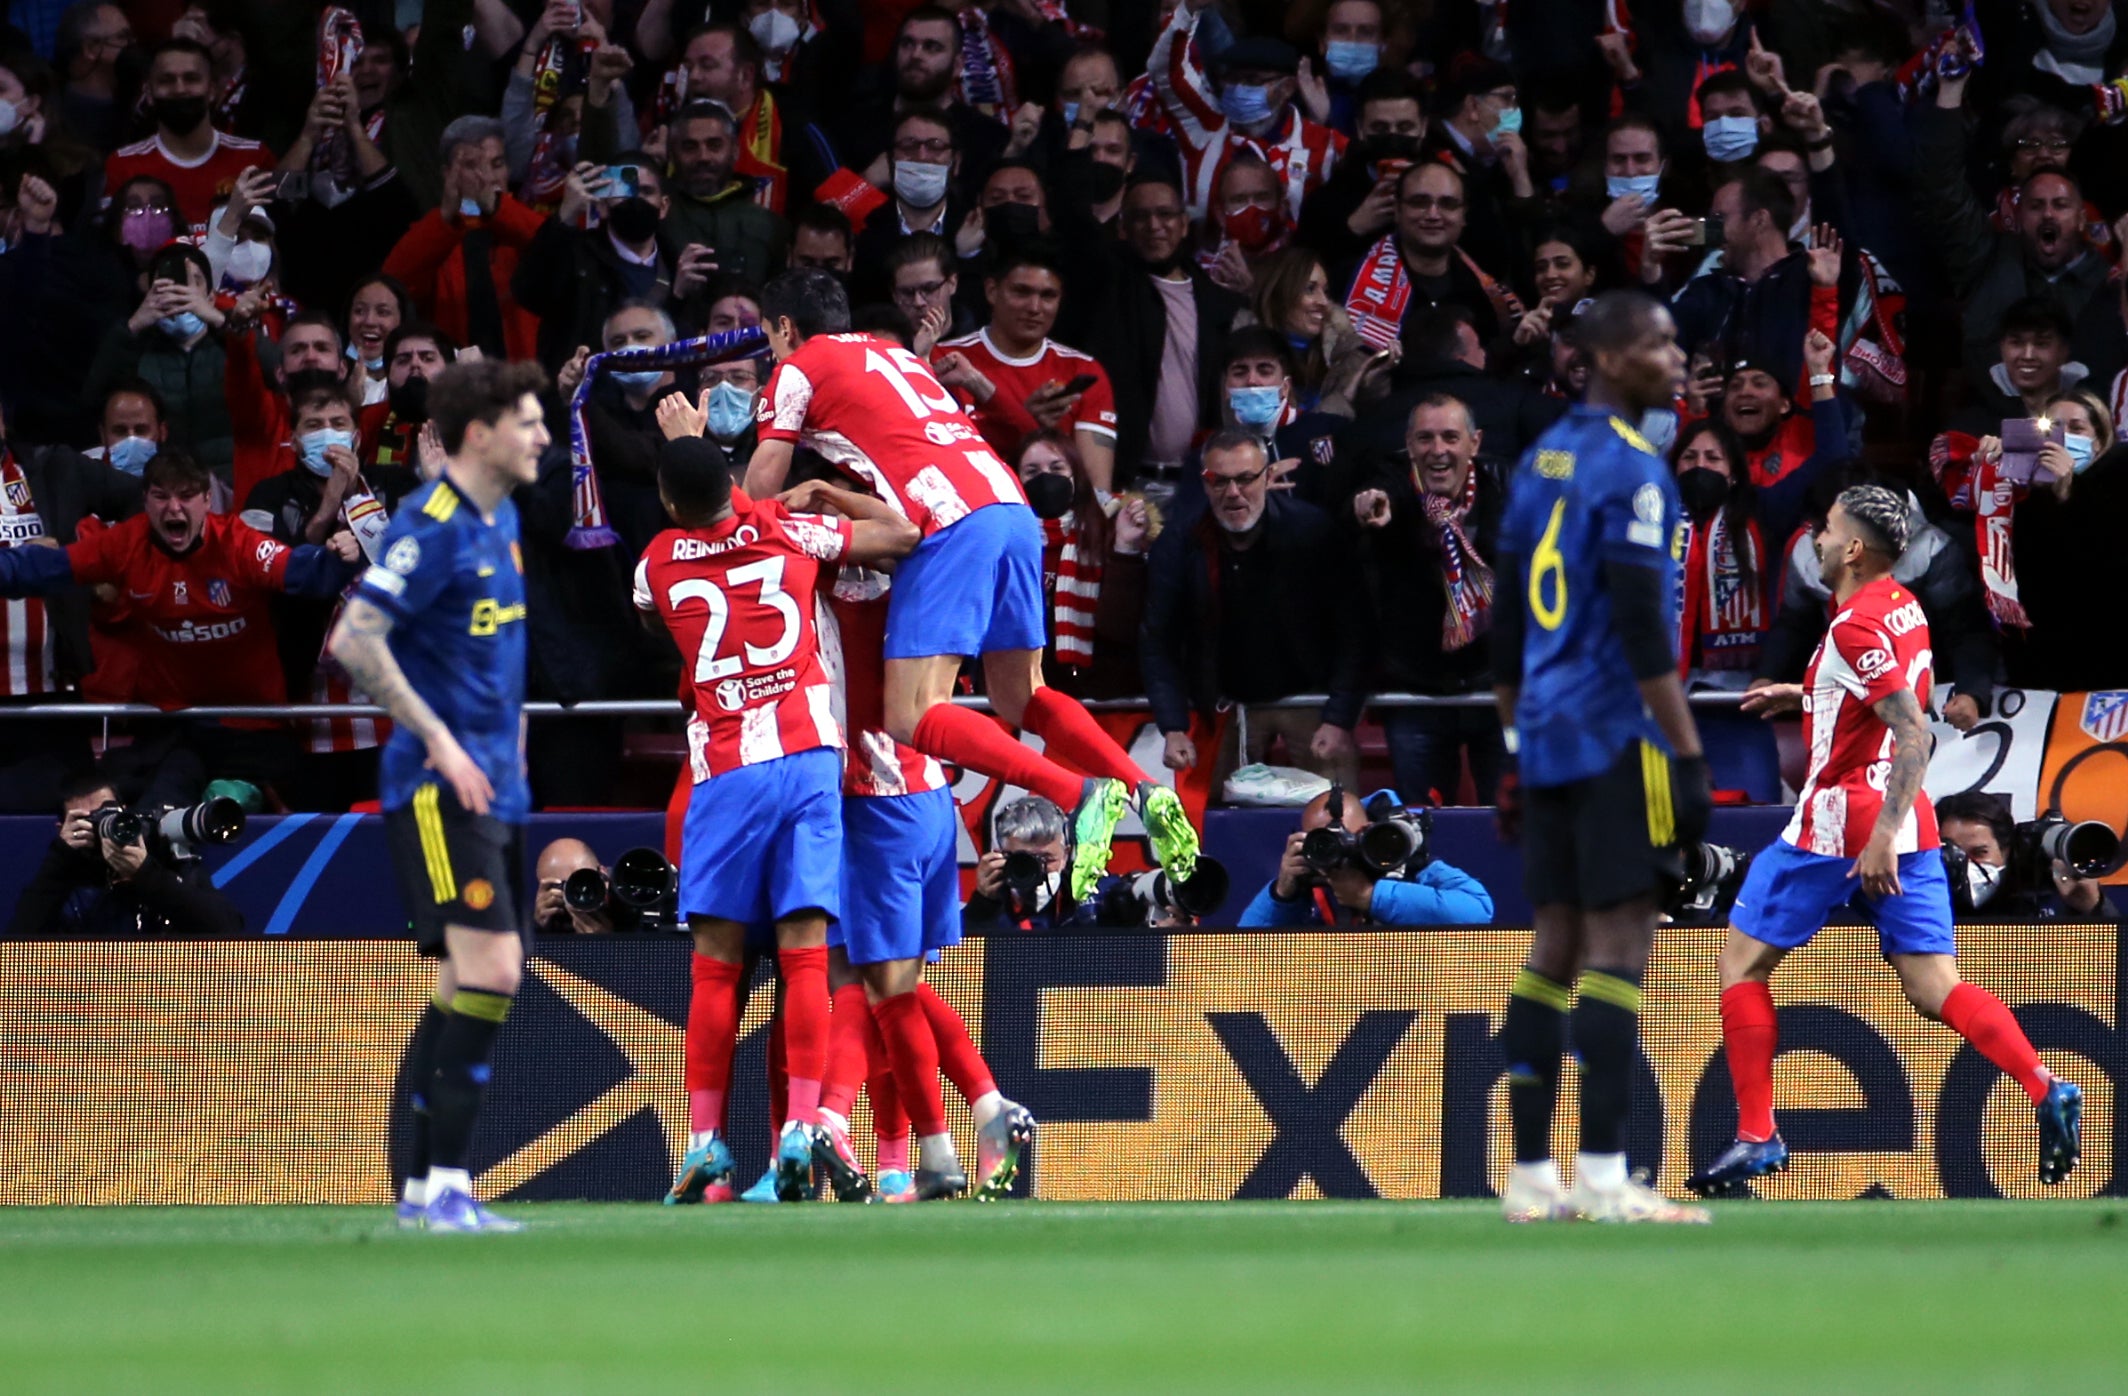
{"type": "Point", "coordinates": [1264, 303]}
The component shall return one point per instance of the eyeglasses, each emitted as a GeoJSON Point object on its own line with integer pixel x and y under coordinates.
{"type": "Point", "coordinates": [738, 377]}
{"type": "Point", "coordinates": [2042, 143]}
{"type": "Point", "coordinates": [912, 295]}
{"type": "Point", "coordinates": [1221, 484]}
{"type": "Point", "coordinates": [909, 150]}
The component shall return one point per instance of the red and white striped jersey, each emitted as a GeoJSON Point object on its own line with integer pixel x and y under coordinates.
{"type": "Point", "coordinates": [874, 411]}
{"type": "Point", "coordinates": [1301, 153]}
{"type": "Point", "coordinates": [1877, 644]}
{"type": "Point", "coordinates": [25, 629]}
{"type": "Point", "coordinates": [742, 598]}
{"type": "Point", "coordinates": [877, 765]}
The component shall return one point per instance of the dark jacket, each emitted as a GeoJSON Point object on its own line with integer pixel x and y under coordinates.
{"type": "Point", "coordinates": [1186, 575]}
{"type": "Point", "coordinates": [72, 893]}
{"type": "Point", "coordinates": [1405, 598]}
{"type": "Point", "coordinates": [2072, 572]}
{"type": "Point", "coordinates": [189, 380]}
{"type": "Point", "coordinates": [68, 487]}
{"type": "Point", "coordinates": [1764, 320]}
{"type": "Point", "coordinates": [325, 252]}
{"type": "Point", "coordinates": [1463, 288]}
{"type": "Point", "coordinates": [584, 639]}
{"type": "Point", "coordinates": [1126, 329]}
{"type": "Point", "coordinates": [572, 280]}
{"type": "Point", "coordinates": [1510, 414]}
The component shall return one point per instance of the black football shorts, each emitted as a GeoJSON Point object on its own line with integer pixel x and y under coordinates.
{"type": "Point", "coordinates": [1603, 841]}
{"type": "Point", "coordinates": [455, 868]}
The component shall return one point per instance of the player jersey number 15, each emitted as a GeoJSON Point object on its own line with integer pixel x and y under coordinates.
{"type": "Point", "coordinates": [911, 380]}
{"type": "Point", "coordinates": [1548, 573]}
{"type": "Point", "coordinates": [769, 573]}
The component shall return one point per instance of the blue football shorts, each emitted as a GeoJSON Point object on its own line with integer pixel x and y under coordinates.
{"type": "Point", "coordinates": [974, 587]}
{"type": "Point", "coordinates": [1788, 894]}
{"type": "Point", "coordinates": [901, 880]}
{"type": "Point", "coordinates": [765, 841]}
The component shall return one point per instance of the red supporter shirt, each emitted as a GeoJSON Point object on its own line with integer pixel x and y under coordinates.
{"type": "Point", "coordinates": [877, 765]}
{"type": "Point", "coordinates": [875, 412]}
{"type": "Point", "coordinates": [743, 597]}
{"type": "Point", "coordinates": [1878, 643]}
{"type": "Point", "coordinates": [198, 186]}
{"type": "Point", "coordinates": [1004, 420]}
{"type": "Point", "coordinates": [208, 609]}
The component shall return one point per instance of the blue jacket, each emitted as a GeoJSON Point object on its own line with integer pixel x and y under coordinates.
{"type": "Point", "coordinates": [1440, 895]}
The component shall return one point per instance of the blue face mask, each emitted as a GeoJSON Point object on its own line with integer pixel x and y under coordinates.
{"type": "Point", "coordinates": [1509, 124]}
{"type": "Point", "coordinates": [314, 444]}
{"type": "Point", "coordinates": [731, 409]}
{"type": "Point", "coordinates": [2081, 449]}
{"type": "Point", "coordinates": [1618, 186]}
{"type": "Point", "coordinates": [1246, 103]}
{"type": "Point", "coordinates": [1659, 426]}
{"type": "Point", "coordinates": [132, 453]}
{"type": "Point", "coordinates": [182, 325]}
{"type": "Point", "coordinates": [1349, 60]}
{"type": "Point", "coordinates": [1730, 138]}
{"type": "Point", "coordinates": [1255, 407]}
{"type": "Point", "coordinates": [1071, 113]}
{"type": "Point", "coordinates": [641, 379]}
{"type": "Point", "coordinates": [470, 208]}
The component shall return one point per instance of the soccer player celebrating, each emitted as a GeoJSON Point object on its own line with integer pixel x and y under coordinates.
{"type": "Point", "coordinates": [737, 584]}
{"type": "Point", "coordinates": [972, 587]}
{"type": "Point", "coordinates": [435, 633]}
{"type": "Point", "coordinates": [1863, 831]}
{"type": "Point", "coordinates": [1586, 679]}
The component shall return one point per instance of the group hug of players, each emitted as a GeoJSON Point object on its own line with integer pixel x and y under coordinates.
{"type": "Point", "coordinates": [820, 827]}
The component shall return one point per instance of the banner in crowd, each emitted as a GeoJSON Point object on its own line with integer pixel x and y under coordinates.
{"type": "Point", "coordinates": [1200, 1066]}
{"type": "Point", "coordinates": [2042, 751]}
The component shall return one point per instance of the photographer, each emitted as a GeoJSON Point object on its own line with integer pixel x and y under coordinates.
{"type": "Point", "coordinates": [91, 884]}
{"type": "Point", "coordinates": [2008, 879]}
{"type": "Point", "coordinates": [578, 895]}
{"type": "Point", "coordinates": [1035, 827]}
{"type": "Point", "coordinates": [551, 913]}
{"type": "Point", "coordinates": [1419, 891]}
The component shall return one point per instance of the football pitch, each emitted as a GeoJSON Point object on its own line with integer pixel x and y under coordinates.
{"type": "Point", "coordinates": [1958, 1296]}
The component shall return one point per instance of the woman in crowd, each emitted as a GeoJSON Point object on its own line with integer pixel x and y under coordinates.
{"type": "Point", "coordinates": [1335, 370]}
{"type": "Point", "coordinates": [171, 341]}
{"type": "Point", "coordinates": [1093, 566]}
{"type": "Point", "coordinates": [377, 306]}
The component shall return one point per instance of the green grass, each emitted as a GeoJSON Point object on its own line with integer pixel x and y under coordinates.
{"type": "Point", "coordinates": [826, 1300]}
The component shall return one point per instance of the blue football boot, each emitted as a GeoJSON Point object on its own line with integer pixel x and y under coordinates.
{"type": "Point", "coordinates": [705, 1175]}
{"type": "Point", "coordinates": [410, 1215]}
{"type": "Point", "coordinates": [764, 1189]}
{"type": "Point", "coordinates": [1731, 1174]}
{"type": "Point", "coordinates": [896, 1186]}
{"type": "Point", "coordinates": [457, 1211]}
{"type": "Point", "coordinates": [794, 1163]}
{"type": "Point", "coordinates": [2061, 1131]}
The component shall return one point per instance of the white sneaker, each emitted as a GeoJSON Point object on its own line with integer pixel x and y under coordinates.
{"type": "Point", "coordinates": [1534, 1200]}
{"type": "Point", "coordinates": [1273, 786]}
{"type": "Point", "coordinates": [1631, 1201]}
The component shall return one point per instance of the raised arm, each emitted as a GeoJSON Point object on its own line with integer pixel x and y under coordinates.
{"type": "Point", "coordinates": [359, 642]}
{"type": "Point", "coordinates": [879, 532]}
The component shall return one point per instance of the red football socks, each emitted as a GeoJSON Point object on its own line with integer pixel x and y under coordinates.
{"type": "Point", "coordinates": [1750, 1033]}
{"type": "Point", "coordinates": [972, 739]}
{"type": "Point", "coordinates": [1986, 1021]}
{"type": "Point", "coordinates": [914, 1053]}
{"type": "Point", "coordinates": [889, 1120]}
{"type": "Point", "coordinates": [712, 1035]}
{"type": "Point", "coordinates": [846, 1049]}
{"type": "Point", "coordinates": [957, 1055]}
{"type": "Point", "coordinates": [1070, 735]}
{"type": "Point", "coordinates": [805, 1027]}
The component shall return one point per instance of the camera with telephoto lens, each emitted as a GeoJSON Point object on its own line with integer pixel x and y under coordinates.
{"type": "Point", "coordinates": [174, 831]}
{"type": "Point", "coordinates": [1713, 874]}
{"type": "Point", "coordinates": [1395, 837]}
{"type": "Point", "coordinates": [641, 892]}
{"type": "Point", "coordinates": [1024, 876]}
{"type": "Point", "coordinates": [1149, 898]}
{"type": "Point", "coordinates": [2089, 848]}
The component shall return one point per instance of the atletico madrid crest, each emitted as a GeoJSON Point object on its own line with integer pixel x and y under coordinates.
{"type": "Point", "coordinates": [2105, 715]}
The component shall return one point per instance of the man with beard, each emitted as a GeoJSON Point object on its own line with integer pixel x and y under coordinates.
{"type": "Point", "coordinates": [573, 277]}
{"type": "Point", "coordinates": [413, 355]}
{"type": "Point", "coordinates": [258, 413]}
{"type": "Point", "coordinates": [926, 64]}
{"type": "Point", "coordinates": [923, 162]}
{"type": "Point", "coordinates": [198, 162]}
{"type": "Point", "coordinates": [707, 204]}
{"type": "Point", "coordinates": [2048, 255]}
{"type": "Point", "coordinates": [1764, 294]}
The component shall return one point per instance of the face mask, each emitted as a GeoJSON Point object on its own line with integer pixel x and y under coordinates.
{"type": "Point", "coordinates": [1045, 891]}
{"type": "Point", "coordinates": [1730, 138]}
{"type": "Point", "coordinates": [410, 400]}
{"type": "Point", "coordinates": [248, 262]}
{"type": "Point", "coordinates": [1246, 103]}
{"type": "Point", "coordinates": [1049, 495]}
{"type": "Point", "coordinates": [1618, 186]}
{"type": "Point", "coordinates": [1255, 407]}
{"type": "Point", "coordinates": [1349, 60]}
{"type": "Point", "coordinates": [371, 364]}
{"type": "Point", "coordinates": [1703, 491]}
{"type": "Point", "coordinates": [10, 118]}
{"type": "Point", "coordinates": [1373, 150]}
{"type": "Point", "coordinates": [1659, 426]}
{"type": "Point", "coordinates": [633, 220]}
{"type": "Point", "coordinates": [1708, 20]}
{"type": "Point", "coordinates": [1509, 124]}
{"type": "Point", "coordinates": [641, 379]}
{"type": "Point", "coordinates": [1071, 113]}
{"type": "Point", "coordinates": [1011, 223]}
{"type": "Point", "coordinates": [731, 411]}
{"type": "Point", "coordinates": [146, 231]}
{"type": "Point", "coordinates": [774, 30]}
{"type": "Point", "coordinates": [131, 453]}
{"type": "Point", "coordinates": [1981, 882]}
{"type": "Point", "coordinates": [919, 185]}
{"type": "Point", "coordinates": [181, 115]}
{"type": "Point", "coordinates": [313, 445]}
{"type": "Point", "coordinates": [182, 325]}
{"type": "Point", "coordinates": [2080, 449]}
{"type": "Point", "coordinates": [1103, 181]}
{"type": "Point", "coordinates": [470, 208]}
{"type": "Point", "coordinates": [1257, 229]}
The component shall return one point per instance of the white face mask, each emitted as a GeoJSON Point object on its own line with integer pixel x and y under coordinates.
{"type": "Point", "coordinates": [248, 262]}
{"type": "Point", "coordinates": [1981, 881]}
{"type": "Point", "coordinates": [1708, 20]}
{"type": "Point", "coordinates": [919, 185]}
{"type": "Point", "coordinates": [774, 30]}
{"type": "Point", "coordinates": [10, 117]}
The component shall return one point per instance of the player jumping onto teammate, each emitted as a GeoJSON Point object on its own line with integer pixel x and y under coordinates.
{"type": "Point", "coordinates": [1863, 831]}
{"type": "Point", "coordinates": [972, 587]}
{"type": "Point", "coordinates": [1586, 694]}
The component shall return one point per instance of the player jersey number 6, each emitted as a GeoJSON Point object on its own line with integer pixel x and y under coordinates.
{"type": "Point", "coordinates": [1548, 567]}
